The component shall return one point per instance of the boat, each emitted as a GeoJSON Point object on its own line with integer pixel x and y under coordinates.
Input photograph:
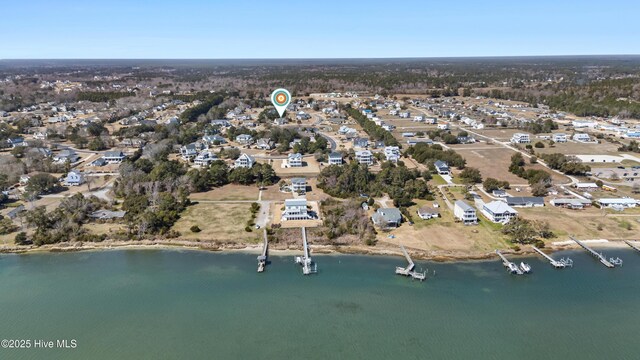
{"type": "Point", "coordinates": [525, 267]}
{"type": "Point", "coordinates": [513, 268]}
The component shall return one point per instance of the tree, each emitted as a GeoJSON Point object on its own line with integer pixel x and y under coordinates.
{"type": "Point", "coordinates": [539, 145]}
{"type": "Point", "coordinates": [471, 176]}
{"type": "Point", "coordinates": [520, 231]}
{"type": "Point", "coordinates": [42, 183]}
{"type": "Point", "coordinates": [491, 184]}
{"type": "Point", "coordinates": [21, 238]}
{"type": "Point", "coordinates": [539, 189]}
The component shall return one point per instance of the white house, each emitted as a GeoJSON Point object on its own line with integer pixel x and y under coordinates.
{"type": "Point", "coordinates": [74, 178]}
{"type": "Point", "coordinates": [560, 137]}
{"type": "Point", "coordinates": [581, 137]}
{"type": "Point", "coordinates": [294, 160]}
{"type": "Point", "coordinates": [443, 126]}
{"type": "Point", "coordinates": [498, 211]}
{"type": "Point", "coordinates": [213, 139]}
{"type": "Point", "coordinates": [114, 157]}
{"type": "Point", "coordinates": [618, 203]}
{"type": "Point", "coordinates": [520, 138]}
{"type": "Point", "coordinates": [245, 161]}
{"type": "Point", "coordinates": [427, 213]}
{"type": "Point", "coordinates": [244, 139]}
{"type": "Point", "coordinates": [392, 153]}
{"type": "Point", "coordinates": [584, 124]}
{"type": "Point", "coordinates": [364, 157]}
{"type": "Point", "coordinates": [335, 158]}
{"type": "Point", "coordinates": [295, 209]}
{"type": "Point", "coordinates": [465, 213]}
{"type": "Point", "coordinates": [442, 167]}
{"type": "Point", "coordinates": [188, 152]}
{"type": "Point", "coordinates": [205, 158]}
{"type": "Point", "coordinates": [299, 185]}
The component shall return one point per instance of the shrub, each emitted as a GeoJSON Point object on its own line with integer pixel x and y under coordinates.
{"type": "Point", "coordinates": [195, 229]}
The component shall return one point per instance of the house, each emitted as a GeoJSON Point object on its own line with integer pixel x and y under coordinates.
{"type": "Point", "coordinates": [584, 124]}
{"type": "Point", "coordinates": [204, 158]}
{"type": "Point", "coordinates": [40, 135]}
{"type": "Point", "coordinates": [431, 120]}
{"type": "Point", "coordinates": [335, 158]}
{"type": "Point", "coordinates": [107, 214]}
{"type": "Point", "coordinates": [68, 155]}
{"type": "Point", "coordinates": [24, 179]}
{"type": "Point", "coordinates": [559, 137]}
{"type": "Point", "coordinates": [360, 143]}
{"type": "Point", "coordinates": [301, 115]}
{"type": "Point", "coordinates": [265, 144]}
{"type": "Point", "coordinates": [392, 153]}
{"type": "Point", "coordinates": [499, 193]}
{"type": "Point", "coordinates": [571, 203]}
{"type": "Point", "coordinates": [581, 137]}
{"type": "Point", "coordinates": [74, 178]}
{"type": "Point", "coordinates": [520, 138]}
{"type": "Point", "coordinates": [189, 151]}
{"type": "Point", "coordinates": [466, 139]}
{"type": "Point", "coordinates": [405, 114]}
{"type": "Point", "coordinates": [408, 134]}
{"type": "Point", "coordinates": [498, 211]}
{"type": "Point", "coordinates": [280, 121]}
{"type": "Point", "coordinates": [15, 142]}
{"type": "Point", "coordinates": [586, 186]}
{"type": "Point", "coordinates": [113, 157]}
{"type": "Point", "coordinates": [15, 212]}
{"type": "Point", "coordinates": [221, 123]}
{"type": "Point", "coordinates": [344, 130]}
{"type": "Point", "coordinates": [98, 162]}
{"type": "Point", "coordinates": [244, 161]}
{"type": "Point", "coordinates": [387, 218]}
{"type": "Point", "coordinates": [525, 201]}
{"type": "Point", "coordinates": [244, 139]}
{"type": "Point", "coordinates": [294, 160]}
{"type": "Point", "coordinates": [442, 168]}
{"type": "Point", "coordinates": [465, 213]}
{"type": "Point", "coordinates": [619, 203]}
{"type": "Point", "coordinates": [364, 157]}
{"type": "Point", "coordinates": [299, 185]}
{"type": "Point", "coordinates": [427, 213]}
{"type": "Point", "coordinates": [211, 140]}
{"type": "Point", "coordinates": [443, 126]}
{"type": "Point", "coordinates": [295, 209]}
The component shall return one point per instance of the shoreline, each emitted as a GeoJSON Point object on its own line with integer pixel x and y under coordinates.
{"type": "Point", "coordinates": [416, 254]}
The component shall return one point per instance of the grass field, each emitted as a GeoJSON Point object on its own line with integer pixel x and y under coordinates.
{"type": "Point", "coordinates": [217, 222]}
{"type": "Point", "coordinates": [228, 193]}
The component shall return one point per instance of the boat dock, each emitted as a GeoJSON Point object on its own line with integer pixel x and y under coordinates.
{"type": "Point", "coordinates": [634, 247]}
{"type": "Point", "coordinates": [556, 264]}
{"type": "Point", "coordinates": [593, 253]}
{"type": "Point", "coordinates": [408, 270]}
{"type": "Point", "coordinates": [262, 259]}
{"type": "Point", "coordinates": [305, 260]}
{"type": "Point", "coordinates": [510, 266]}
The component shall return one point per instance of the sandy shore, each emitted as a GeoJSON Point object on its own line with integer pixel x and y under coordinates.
{"type": "Point", "coordinates": [380, 250]}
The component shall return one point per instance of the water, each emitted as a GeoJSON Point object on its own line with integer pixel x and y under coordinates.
{"type": "Point", "coordinates": [154, 304]}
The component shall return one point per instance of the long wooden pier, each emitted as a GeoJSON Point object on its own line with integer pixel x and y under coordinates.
{"type": "Point", "coordinates": [262, 259]}
{"type": "Point", "coordinates": [634, 247]}
{"type": "Point", "coordinates": [554, 263]}
{"type": "Point", "coordinates": [305, 260]}
{"type": "Point", "coordinates": [408, 271]}
{"type": "Point", "coordinates": [593, 253]}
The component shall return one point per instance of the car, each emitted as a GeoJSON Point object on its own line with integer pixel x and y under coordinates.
{"type": "Point", "coordinates": [621, 167]}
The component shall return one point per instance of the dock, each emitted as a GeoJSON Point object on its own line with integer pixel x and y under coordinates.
{"type": "Point", "coordinates": [634, 247]}
{"type": "Point", "coordinates": [409, 269]}
{"type": "Point", "coordinates": [510, 266]}
{"type": "Point", "coordinates": [556, 264]}
{"type": "Point", "coordinates": [593, 253]}
{"type": "Point", "coordinates": [308, 266]}
{"type": "Point", "coordinates": [262, 259]}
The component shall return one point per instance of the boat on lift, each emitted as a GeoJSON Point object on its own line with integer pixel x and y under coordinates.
{"type": "Point", "coordinates": [525, 267]}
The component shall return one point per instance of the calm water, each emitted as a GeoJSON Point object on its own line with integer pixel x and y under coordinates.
{"type": "Point", "coordinates": [194, 305]}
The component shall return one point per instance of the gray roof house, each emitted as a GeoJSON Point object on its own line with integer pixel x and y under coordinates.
{"type": "Point", "coordinates": [387, 217]}
{"type": "Point", "coordinates": [442, 167]}
{"type": "Point", "coordinates": [525, 201]}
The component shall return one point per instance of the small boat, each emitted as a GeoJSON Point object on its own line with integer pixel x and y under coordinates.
{"type": "Point", "coordinates": [525, 267]}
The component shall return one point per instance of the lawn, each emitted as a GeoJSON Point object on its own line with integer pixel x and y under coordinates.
{"type": "Point", "coordinates": [228, 193]}
{"type": "Point", "coordinates": [217, 222]}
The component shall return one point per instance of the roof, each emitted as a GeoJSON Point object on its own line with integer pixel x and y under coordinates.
{"type": "Point", "coordinates": [335, 155]}
{"type": "Point", "coordinates": [298, 180]}
{"type": "Point", "coordinates": [524, 200]}
{"type": "Point", "coordinates": [295, 202]}
{"type": "Point", "coordinates": [427, 210]}
{"type": "Point", "coordinates": [389, 214]}
{"type": "Point", "coordinates": [464, 206]}
{"type": "Point", "coordinates": [440, 164]}
{"type": "Point", "coordinates": [113, 153]}
{"type": "Point", "coordinates": [107, 214]}
{"type": "Point", "coordinates": [618, 201]}
{"type": "Point", "coordinates": [499, 207]}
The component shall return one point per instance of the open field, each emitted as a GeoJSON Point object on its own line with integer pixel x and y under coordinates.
{"type": "Point", "coordinates": [577, 148]}
{"type": "Point", "coordinates": [498, 133]}
{"type": "Point", "coordinates": [310, 167]}
{"type": "Point", "coordinates": [104, 228]}
{"type": "Point", "coordinates": [228, 193]}
{"type": "Point", "coordinates": [218, 222]}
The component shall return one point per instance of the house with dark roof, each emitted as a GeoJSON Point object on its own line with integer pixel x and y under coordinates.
{"type": "Point", "coordinates": [442, 167]}
{"type": "Point", "coordinates": [525, 201]}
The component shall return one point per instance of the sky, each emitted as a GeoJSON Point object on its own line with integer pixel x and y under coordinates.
{"type": "Point", "coordinates": [223, 29]}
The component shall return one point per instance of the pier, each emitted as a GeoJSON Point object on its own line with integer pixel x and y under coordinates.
{"type": "Point", "coordinates": [556, 264]}
{"type": "Point", "coordinates": [634, 247]}
{"type": "Point", "coordinates": [510, 266]}
{"type": "Point", "coordinates": [262, 259]}
{"type": "Point", "coordinates": [408, 270]}
{"type": "Point", "coordinates": [305, 260]}
{"type": "Point", "coordinates": [593, 253]}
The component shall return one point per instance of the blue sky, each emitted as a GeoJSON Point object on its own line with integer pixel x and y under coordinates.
{"type": "Point", "coordinates": [315, 29]}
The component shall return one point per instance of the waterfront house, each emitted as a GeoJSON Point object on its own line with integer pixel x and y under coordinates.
{"type": "Point", "coordinates": [525, 201]}
{"type": "Point", "coordinates": [498, 211]}
{"type": "Point", "coordinates": [244, 161]}
{"type": "Point", "coordinates": [571, 203]}
{"type": "Point", "coordinates": [387, 218]}
{"type": "Point", "coordinates": [295, 209]}
{"type": "Point", "coordinates": [465, 213]}
{"type": "Point", "coordinates": [618, 203]}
